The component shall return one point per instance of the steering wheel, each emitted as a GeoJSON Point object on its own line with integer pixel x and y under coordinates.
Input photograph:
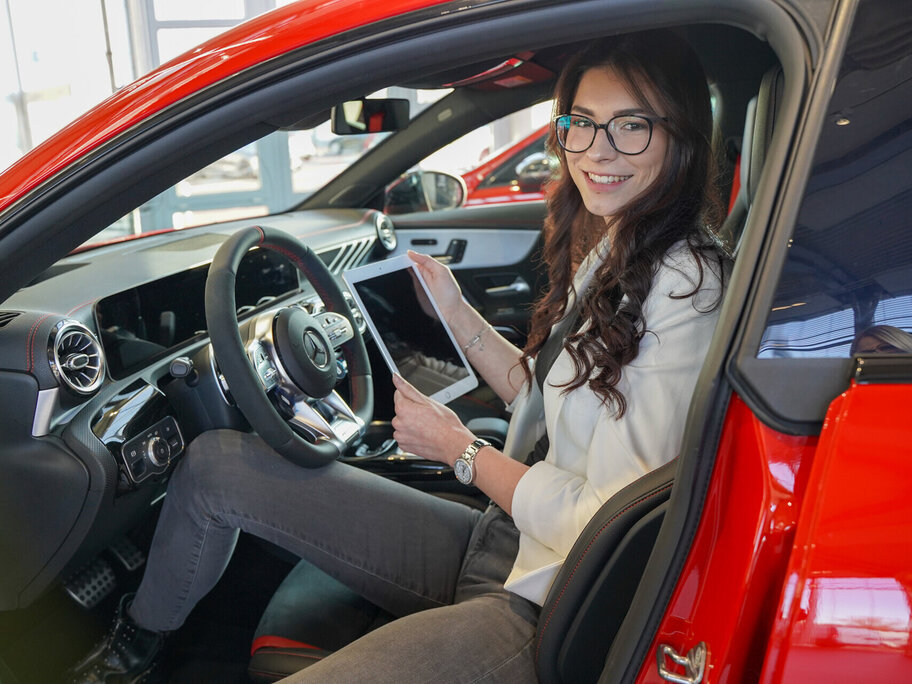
{"type": "Point", "coordinates": [290, 355]}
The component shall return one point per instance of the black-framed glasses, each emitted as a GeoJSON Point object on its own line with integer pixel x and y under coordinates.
{"type": "Point", "coordinates": [629, 134]}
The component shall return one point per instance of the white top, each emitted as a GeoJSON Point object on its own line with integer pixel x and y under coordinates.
{"type": "Point", "coordinates": [592, 455]}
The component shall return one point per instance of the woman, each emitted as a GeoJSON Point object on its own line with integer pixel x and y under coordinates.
{"type": "Point", "coordinates": [882, 339]}
{"type": "Point", "coordinates": [630, 257]}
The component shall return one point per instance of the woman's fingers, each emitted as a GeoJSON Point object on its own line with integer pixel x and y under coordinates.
{"type": "Point", "coordinates": [406, 389]}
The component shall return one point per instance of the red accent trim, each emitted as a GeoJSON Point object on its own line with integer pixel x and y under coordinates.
{"type": "Point", "coordinates": [736, 185]}
{"type": "Point", "coordinates": [270, 641]}
{"type": "Point", "coordinates": [30, 352]}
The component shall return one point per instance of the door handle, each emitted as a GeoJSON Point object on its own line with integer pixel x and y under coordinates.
{"type": "Point", "coordinates": [454, 252]}
{"type": "Point", "coordinates": [517, 287]}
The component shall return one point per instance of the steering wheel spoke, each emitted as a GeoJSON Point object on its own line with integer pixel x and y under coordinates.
{"type": "Point", "coordinates": [261, 358]}
{"type": "Point", "coordinates": [326, 419]}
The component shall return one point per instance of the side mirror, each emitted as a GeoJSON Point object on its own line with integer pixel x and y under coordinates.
{"type": "Point", "coordinates": [370, 116]}
{"type": "Point", "coordinates": [534, 171]}
{"type": "Point", "coordinates": [424, 191]}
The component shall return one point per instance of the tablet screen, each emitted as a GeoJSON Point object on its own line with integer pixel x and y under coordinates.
{"type": "Point", "coordinates": [416, 343]}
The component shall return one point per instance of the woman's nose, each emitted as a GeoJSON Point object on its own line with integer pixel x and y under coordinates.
{"type": "Point", "coordinates": [601, 147]}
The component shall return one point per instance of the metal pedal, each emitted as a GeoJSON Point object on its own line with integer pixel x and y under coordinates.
{"type": "Point", "coordinates": [127, 553]}
{"type": "Point", "coordinates": [92, 583]}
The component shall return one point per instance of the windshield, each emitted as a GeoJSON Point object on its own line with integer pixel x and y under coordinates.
{"type": "Point", "coordinates": [264, 177]}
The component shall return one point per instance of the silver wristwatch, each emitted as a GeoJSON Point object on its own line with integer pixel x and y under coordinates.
{"type": "Point", "coordinates": [465, 464]}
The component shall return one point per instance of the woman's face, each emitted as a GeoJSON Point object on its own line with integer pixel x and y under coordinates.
{"type": "Point", "coordinates": [607, 179]}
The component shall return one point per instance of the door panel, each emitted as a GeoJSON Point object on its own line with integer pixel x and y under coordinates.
{"type": "Point", "coordinates": [493, 253]}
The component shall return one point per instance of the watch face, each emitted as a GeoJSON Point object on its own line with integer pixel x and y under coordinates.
{"type": "Point", "coordinates": [463, 471]}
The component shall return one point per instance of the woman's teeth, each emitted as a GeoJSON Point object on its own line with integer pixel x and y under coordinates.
{"type": "Point", "coordinates": [607, 179]}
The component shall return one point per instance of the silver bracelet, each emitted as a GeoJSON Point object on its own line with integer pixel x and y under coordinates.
{"type": "Point", "coordinates": [475, 340]}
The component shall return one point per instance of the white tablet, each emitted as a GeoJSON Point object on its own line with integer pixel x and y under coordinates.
{"type": "Point", "coordinates": [406, 324]}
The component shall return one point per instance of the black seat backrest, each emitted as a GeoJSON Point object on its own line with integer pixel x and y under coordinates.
{"type": "Point", "coordinates": [593, 590]}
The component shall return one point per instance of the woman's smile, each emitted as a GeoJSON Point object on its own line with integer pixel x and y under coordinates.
{"type": "Point", "coordinates": [606, 180]}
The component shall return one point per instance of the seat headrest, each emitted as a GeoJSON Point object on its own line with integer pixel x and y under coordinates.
{"type": "Point", "coordinates": [760, 122]}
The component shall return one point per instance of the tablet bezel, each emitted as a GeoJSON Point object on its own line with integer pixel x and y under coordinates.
{"type": "Point", "coordinates": [391, 265]}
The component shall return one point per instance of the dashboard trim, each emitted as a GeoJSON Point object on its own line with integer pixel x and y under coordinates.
{"type": "Point", "coordinates": [45, 406]}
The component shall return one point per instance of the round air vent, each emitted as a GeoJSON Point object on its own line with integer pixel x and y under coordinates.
{"type": "Point", "coordinates": [76, 358]}
{"type": "Point", "coordinates": [386, 233]}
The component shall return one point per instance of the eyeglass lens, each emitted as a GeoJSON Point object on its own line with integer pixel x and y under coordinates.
{"type": "Point", "coordinates": [627, 134]}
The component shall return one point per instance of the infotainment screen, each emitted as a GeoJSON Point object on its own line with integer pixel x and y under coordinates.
{"type": "Point", "coordinates": [410, 333]}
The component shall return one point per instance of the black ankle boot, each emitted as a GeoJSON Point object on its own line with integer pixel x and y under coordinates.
{"type": "Point", "coordinates": [125, 656]}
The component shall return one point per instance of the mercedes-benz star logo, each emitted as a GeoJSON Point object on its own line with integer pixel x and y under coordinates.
{"type": "Point", "coordinates": [315, 350]}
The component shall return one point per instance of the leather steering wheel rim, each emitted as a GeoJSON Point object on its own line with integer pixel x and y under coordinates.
{"type": "Point", "coordinates": [246, 386]}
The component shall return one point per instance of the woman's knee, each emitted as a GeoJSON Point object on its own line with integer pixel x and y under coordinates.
{"type": "Point", "coordinates": [212, 461]}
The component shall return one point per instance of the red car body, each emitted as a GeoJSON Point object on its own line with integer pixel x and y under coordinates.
{"type": "Point", "coordinates": [800, 568]}
{"type": "Point", "coordinates": [497, 180]}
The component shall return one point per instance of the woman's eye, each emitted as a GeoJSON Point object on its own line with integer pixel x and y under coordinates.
{"type": "Point", "coordinates": [632, 126]}
{"type": "Point", "coordinates": [581, 123]}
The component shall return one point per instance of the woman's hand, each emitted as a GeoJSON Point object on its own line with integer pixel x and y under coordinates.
{"type": "Point", "coordinates": [440, 282]}
{"type": "Point", "coordinates": [426, 427]}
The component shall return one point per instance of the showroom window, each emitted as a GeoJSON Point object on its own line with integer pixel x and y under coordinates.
{"type": "Point", "coordinates": [846, 286]}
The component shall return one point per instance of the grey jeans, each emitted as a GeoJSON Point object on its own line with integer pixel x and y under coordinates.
{"type": "Point", "coordinates": [437, 565]}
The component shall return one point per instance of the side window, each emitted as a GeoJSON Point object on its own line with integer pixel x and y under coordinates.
{"type": "Point", "coordinates": [502, 161]}
{"type": "Point", "coordinates": [846, 286]}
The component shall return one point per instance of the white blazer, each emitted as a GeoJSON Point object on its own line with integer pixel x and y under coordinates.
{"type": "Point", "coordinates": [592, 455]}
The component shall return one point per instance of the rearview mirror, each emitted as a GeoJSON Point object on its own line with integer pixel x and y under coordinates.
{"type": "Point", "coordinates": [370, 116]}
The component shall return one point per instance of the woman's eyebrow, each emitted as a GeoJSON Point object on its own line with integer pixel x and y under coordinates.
{"type": "Point", "coordinates": [638, 111]}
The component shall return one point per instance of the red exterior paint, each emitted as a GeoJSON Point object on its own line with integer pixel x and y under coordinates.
{"type": "Point", "coordinates": [728, 590]}
{"type": "Point", "coordinates": [247, 45]}
{"type": "Point", "coordinates": [846, 610]}
{"type": "Point", "coordinates": [500, 193]}
{"type": "Point", "coordinates": [802, 565]}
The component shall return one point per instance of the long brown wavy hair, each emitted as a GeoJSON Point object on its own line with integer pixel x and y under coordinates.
{"type": "Point", "coordinates": [682, 203]}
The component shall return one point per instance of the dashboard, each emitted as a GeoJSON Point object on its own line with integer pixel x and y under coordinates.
{"type": "Point", "coordinates": [106, 374]}
{"type": "Point", "coordinates": [148, 321]}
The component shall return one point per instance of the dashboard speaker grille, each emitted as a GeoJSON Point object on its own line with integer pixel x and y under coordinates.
{"type": "Point", "coordinates": [76, 357]}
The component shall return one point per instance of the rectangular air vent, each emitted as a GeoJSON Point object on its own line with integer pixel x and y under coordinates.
{"type": "Point", "coordinates": [351, 255]}
{"type": "Point", "coordinates": [7, 316]}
